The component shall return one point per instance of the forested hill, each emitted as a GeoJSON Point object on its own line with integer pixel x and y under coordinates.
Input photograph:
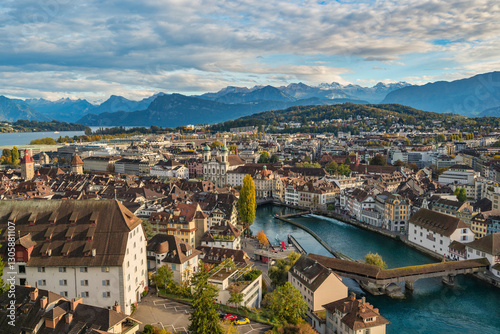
{"type": "Point", "coordinates": [307, 114]}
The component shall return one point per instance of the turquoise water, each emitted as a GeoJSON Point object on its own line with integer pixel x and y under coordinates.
{"type": "Point", "coordinates": [471, 306]}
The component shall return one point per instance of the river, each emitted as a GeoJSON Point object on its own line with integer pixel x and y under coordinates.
{"type": "Point", "coordinates": [471, 306]}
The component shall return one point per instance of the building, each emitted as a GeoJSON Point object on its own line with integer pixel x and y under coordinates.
{"type": "Point", "coordinates": [317, 284]}
{"type": "Point", "coordinates": [223, 235]}
{"type": "Point", "coordinates": [76, 165]}
{"type": "Point", "coordinates": [396, 213]}
{"type": "Point", "coordinates": [90, 249]}
{"type": "Point", "coordinates": [27, 166]}
{"type": "Point", "coordinates": [461, 210]}
{"type": "Point", "coordinates": [233, 280]}
{"type": "Point", "coordinates": [458, 174]}
{"type": "Point", "coordinates": [487, 247]}
{"type": "Point", "coordinates": [42, 311]}
{"type": "Point", "coordinates": [186, 221]}
{"type": "Point", "coordinates": [177, 255]}
{"type": "Point", "coordinates": [100, 164]}
{"type": "Point", "coordinates": [215, 168]}
{"type": "Point", "coordinates": [351, 315]}
{"type": "Point", "coordinates": [435, 231]}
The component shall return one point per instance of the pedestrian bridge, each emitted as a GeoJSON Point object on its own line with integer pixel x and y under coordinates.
{"type": "Point", "coordinates": [374, 278]}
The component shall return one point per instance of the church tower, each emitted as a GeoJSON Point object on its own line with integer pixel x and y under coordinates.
{"type": "Point", "coordinates": [27, 166]}
{"type": "Point", "coordinates": [76, 164]}
{"type": "Point", "coordinates": [206, 154]}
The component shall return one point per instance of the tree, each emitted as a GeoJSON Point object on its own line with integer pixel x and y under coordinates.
{"type": "Point", "coordinates": [332, 167]}
{"type": "Point", "coordinates": [279, 272]}
{"type": "Point", "coordinates": [376, 260]}
{"type": "Point", "coordinates": [236, 298]}
{"type": "Point", "coordinates": [274, 158]}
{"type": "Point", "coordinates": [6, 156]}
{"type": "Point", "coordinates": [262, 237]}
{"type": "Point", "coordinates": [15, 156]}
{"type": "Point", "coordinates": [232, 148]}
{"type": "Point", "coordinates": [331, 207]}
{"type": "Point", "coordinates": [216, 144]}
{"type": "Point", "coordinates": [246, 202]}
{"type": "Point", "coordinates": [461, 194]}
{"type": "Point", "coordinates": [264, 157]}
{"type": "Point", "coordinates": [378, 160]}
{"type": "Point", "coordinates": [287, 305]}
{"type": "Point", "coordinates": [148, 229]}
{"type": "Point", "coordinates": [163, 277]}
{"type": "Point", "coordinates": [347, 161]}
{"type": "Point", "coordinates": [303, 328]}
{"type": "Point", "coordinates": [204, 318]}
{"type": "Point", "coordinates": [344, 170]}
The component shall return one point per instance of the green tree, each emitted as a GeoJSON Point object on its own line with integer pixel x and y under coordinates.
{"type": "Point", "coordinates": [274, 158]}
{"type": "Point", "coordinates": [344, 170]}
{"type": "Point", "coordinates": [378, 160]}
{"type": "Point", "coordinates": [376, 260]}
{"type": "Point", "coordinates": [236, 298]}
{"type": "Point", "coordinates": [331, 207]}
{"type": "Point", "coordinates": [15, 156]}
{"type": "Point", "coordinates": [163, 277]}
{"type": "Point", "coordinates": [148, 228]}
{"type": "Point", "coordinates": [279, 272]}
{"type": "Point", "coordinates": [232, 148]}
{"type": "Point", "coordinates": [332, 167]}
{"type": "Point", "coordinates": [216, 144]}
{"type": "Point", "coordinates": [204, 318]}
{"type": "Point", "coordinates": [246, 202]}
{"type": "Point", "coordinates": [264, 157]}
{"type": "Point", "coordinates": [461, 194]}
{"type": "Point", "coordinates": [286, 305]}
{"type": "Point", "coordinates": [347, 161]}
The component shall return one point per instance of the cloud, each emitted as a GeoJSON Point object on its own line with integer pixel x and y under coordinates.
{"type": "Point", "coordinates": [132, 48]}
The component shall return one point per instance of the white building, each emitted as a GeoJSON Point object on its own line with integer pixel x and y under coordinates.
{"type": "Point", "coordinates": [90, 249]}
{"type": "Point", "coordinates": [435, 231]}
{"type": "Point", "coordinates": [487, 247]}
{"type": "Point", "coordinates": [458, 174]}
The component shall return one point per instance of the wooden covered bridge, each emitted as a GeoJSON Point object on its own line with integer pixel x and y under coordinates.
{"type": "Point", "coordinates": [376, 280]}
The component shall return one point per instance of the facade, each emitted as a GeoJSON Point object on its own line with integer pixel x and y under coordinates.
{"type": "Point", "coordinates": [435, 231]}
{"type": "Point", "coordinates": [27, 166]}
{"type": "Point", "coordinates": [100, 164]}
{"type": "Point", "coordinates": [227, 281]}
{"type": "Point", "coordinates": [76, 165]}
{"type": "Point", "coordinates": [354, 316]}
{"type": "Point", "coordinates": [458, 174]}
{"type": "Point", "coordinates": [90, 249]}
{"type": "Point", "coordinates": [177, 255]}
{"type": "Point", "coordinates": [215, 168]}
{"type": "Point", "coordinates": [186, 221]}
{"type": "Point", "coordinates": [487, 247]}
{"type": "Point", "coordinates": [396, 213]}
{"type": "Point", "coordinates": [317, 284]}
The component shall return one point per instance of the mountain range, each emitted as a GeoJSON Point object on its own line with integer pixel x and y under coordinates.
{"type": "Point", "coordinates": [478, 95]}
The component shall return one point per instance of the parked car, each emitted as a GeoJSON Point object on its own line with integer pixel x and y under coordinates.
{"type": "Point", "coordinates": [229, 317]}
{"type": "Point", "coordinates": [221, 314]}
{"type": "Point", "coordinates": [241, 321]}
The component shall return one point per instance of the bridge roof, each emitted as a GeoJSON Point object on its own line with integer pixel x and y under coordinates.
{"type": "Point", "coordinates": [370, 271]}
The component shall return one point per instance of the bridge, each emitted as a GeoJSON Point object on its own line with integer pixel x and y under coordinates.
{"type": "Point", "coordinates": [377, 280]}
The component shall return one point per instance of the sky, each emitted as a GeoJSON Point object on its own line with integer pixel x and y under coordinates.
{"type": "Point", "coordinates": [95, 48]}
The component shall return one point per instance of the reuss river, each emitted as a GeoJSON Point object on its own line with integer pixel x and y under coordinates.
{"type": "Point", "coordinates": [471, 306]}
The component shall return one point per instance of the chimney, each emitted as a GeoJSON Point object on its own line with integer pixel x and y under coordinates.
{"type": "Point", "coordinates": [43, 302]}
{"type": "Point", "coordinates": [352, 296]}
{"type": "Point", "coordinates": [34, 295]}
{"type": "Point", "coordinates": [69, 318]}
{"type": "Point", "coordinates": [117, 307]}
{"type": "Point", "coordinates": [363, 300]}
{"type": "Point", "coordinates": [75, 302]}
{"type": "Point", "coordinates": [93, 252]}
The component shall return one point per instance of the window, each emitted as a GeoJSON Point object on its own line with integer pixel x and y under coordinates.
{"type": "Point", "coordinates": [105, 282]}
{"type": "Point", "coordinates": [84, 269]}
{"type": "Point", "coordinates": [85, 282]}
{"type": "Point", "coordinates": [63, 282]}
{"type": "Point", "coordinates": [22, 269]}
{"type": "Point", "coordinates": [173, 267]}
{"type": "Point", "coordinates": [85, 294]}
{"type": "Point", "coordinates": [64, 293]}
{"type": "Point", "coordinates": [42, 282]}
{"type": "Point", "coordinates": [106, 294]}
{"type": "Point", "coordinates": [41, 269]}
{"type": "Point", "coordinates": [62, 269]}
{"type": "Point", "coordinates": [105, 269]}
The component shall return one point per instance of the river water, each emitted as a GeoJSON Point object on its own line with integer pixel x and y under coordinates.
{"type": "Point", "coordinates": [471, 306]}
